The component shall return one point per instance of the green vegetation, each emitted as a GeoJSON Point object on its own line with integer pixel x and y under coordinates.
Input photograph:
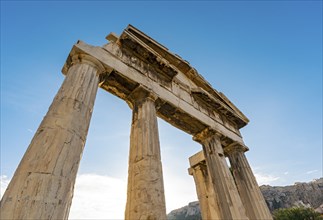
{"type": "Point", "coordinates": [296, 213]}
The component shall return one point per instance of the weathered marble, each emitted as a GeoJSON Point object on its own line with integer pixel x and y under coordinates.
{"type": "Point", "coordinates": [251, 196]}
{"type": "Point", "coordinates": [42, 186]}
{"type": "Point", "coordinates": [230, 204]}
{"type": "Point", "coordinates": [145, 197]}
{"type": "Point", "coordinates": [209, 205]}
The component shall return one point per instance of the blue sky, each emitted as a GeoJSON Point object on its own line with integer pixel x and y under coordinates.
{"type": "Point", "coordinates": [265, 56]}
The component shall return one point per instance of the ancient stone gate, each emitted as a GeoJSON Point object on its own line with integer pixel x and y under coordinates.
{"type": "Point", "coordinates": [154, 82]}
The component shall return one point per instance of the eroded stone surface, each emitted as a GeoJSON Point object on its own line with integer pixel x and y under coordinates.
{"type": "Point", "coordinates": [225, 190]}
{"type": "Point", "coordinates": [145, 197]}
{"type": "Point", "coordinates": [209, 204]}
{"type": "Point", "coordinates": [247, 185]}
{"type": "Point", "coordinates": [42, 186]}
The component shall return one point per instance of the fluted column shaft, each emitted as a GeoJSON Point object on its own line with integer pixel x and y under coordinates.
{"type": "Point", "coordinates": [42, 186]}
{"type": "Point", "coordinates": [145, 197]}
{"type": "Point", "coordinates": [230, 205]}
{"type": "Point", "coordinates": [208, 201]}
{"type": "Point", "coordinates": [248, 188]}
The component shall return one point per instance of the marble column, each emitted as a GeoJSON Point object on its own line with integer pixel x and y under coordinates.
{"type": "Point", "coordinates": [145, 196]}
{"type": "Point", "coordinates": [209, 204]}
{"type": "Point", "coordinates": [230, 204]}
{"type": "Point", "coordinates": [251, 196]}
{"type": "Point", "coordinates": [42, 186]}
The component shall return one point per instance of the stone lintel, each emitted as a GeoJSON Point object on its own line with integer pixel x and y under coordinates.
{"type": "Point", "coordinates": [197, 159]}
{"type": "Point", "coordinates": [175, 61]}
{"type": "Point", "coordinates": [112, 37]}
{"type": "Point", "coordinates": [181, 109]}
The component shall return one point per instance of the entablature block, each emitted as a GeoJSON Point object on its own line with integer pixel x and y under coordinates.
{"type": "Point", "coordinates": [184, 98]}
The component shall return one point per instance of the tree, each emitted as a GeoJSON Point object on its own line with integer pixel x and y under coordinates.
{"type": "Point", "coordinates": [296, 213]}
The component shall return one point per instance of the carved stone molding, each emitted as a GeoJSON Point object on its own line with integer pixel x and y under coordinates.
{"type": "Point", "coordinates": [206, 134]}
{"type": "Point", "coordinates": [140, 94]}
{"type": "Point", "coordinates": [234, 147]}
{"type": "Point", "coordinates": [84, 58]}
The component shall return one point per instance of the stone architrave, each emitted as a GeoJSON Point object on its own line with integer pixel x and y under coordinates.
{"type": "Point", "coordinates": [251, 196]}
{"type": "Point", "coordinates": [145, 197]}
{"type": "Point", "coordinates": [230, 204]}
{"type": "Point", "coordinates": [209, 204]}
{"type": "Point", "coordinates": [42, 186]}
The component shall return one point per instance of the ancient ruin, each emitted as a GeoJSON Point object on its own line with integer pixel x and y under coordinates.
{"type": "Point", "coordinates": [154, 82]}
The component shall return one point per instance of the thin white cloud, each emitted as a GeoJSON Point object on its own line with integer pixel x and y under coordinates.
{"type": "Point", "coordinates": [286, 173]}
{"type": "Point", "coordinates": [265, 179]}
{"type": "Point", "coordinates": [98, 197]}
{"type": "Point", "coordinates": [311, 171]}
{"type": "Point", "coordinates": [104, 197]}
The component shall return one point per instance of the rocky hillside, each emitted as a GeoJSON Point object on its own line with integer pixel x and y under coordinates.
{"type": "Point", "coordinates": [300, 194]}
{"type": "Point", "coordinates": [189, 212]}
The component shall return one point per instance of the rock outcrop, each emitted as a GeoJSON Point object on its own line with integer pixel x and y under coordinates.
{"type": "Point", "coordinates": [300, 194]}
{"type": "Point", "coordinates": [189, 212]}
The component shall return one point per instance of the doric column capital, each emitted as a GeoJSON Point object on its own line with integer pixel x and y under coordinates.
{"type": "Point", "coordinates": [140, 94]}
{"type": "Point", "coordinates": [235, 147]}
{"type": "Point", "coordinates": [81, 58]}
{"type": "Point", "coordinates": [199, 167]}
{"type": "Point", "coordinates": [206, 134]}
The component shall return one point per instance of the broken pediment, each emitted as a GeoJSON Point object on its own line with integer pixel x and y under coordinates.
{"type": "Point", "coordinates": [135, 45]}
{"type": "Point", "coordinates": [184, 98]}
{"type": "Point", "coordinates": [170, 67]}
